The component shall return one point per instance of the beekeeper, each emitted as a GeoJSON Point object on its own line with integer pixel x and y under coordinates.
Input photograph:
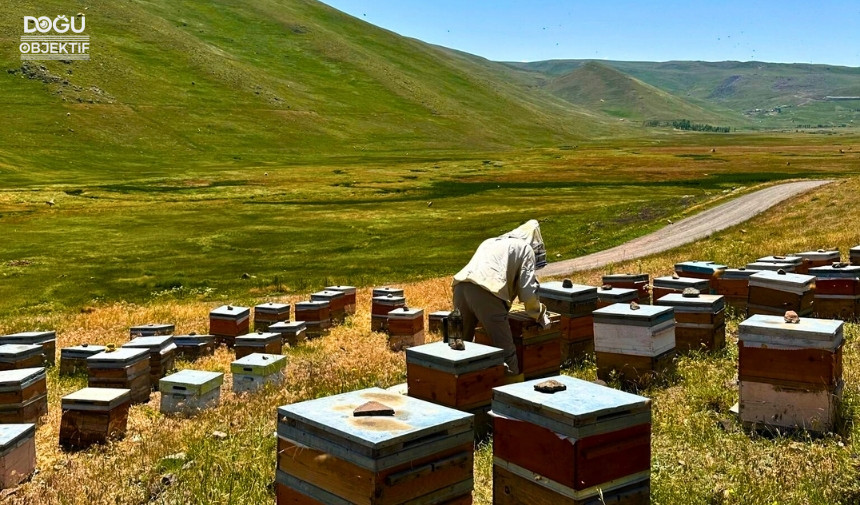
{"type": "Point", "coordinates": [502, 269]}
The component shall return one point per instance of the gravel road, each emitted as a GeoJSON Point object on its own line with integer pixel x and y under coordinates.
{"type": "Point", "coordinates": [686, 230]}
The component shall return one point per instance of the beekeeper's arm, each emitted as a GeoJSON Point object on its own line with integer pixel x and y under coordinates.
{"type": "Point", "coordinates": [527, 290]}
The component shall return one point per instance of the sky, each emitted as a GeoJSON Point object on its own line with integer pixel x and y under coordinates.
{"type": "Point", "coordinates": [778, 31]}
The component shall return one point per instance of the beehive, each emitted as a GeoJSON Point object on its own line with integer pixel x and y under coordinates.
{"type": "Point", "coordinates": [256, 370]}
{"type": "Point", "coordinates": [819, 258]}
{"type": "Point", "coordinates": [228, 322]}
{"type": "Point", "coordinates": [125, 368]}
{"type": "Point", "coordinates": [348, 297]}
{"type": "Point", "coordinates": [264, 343]}
{"type": "Point", "coordinates": [837, 291]}
{"type": "Point", "coordinates": [385, 291]}
{"type": "Point", "coordinates": [17, 453]}
{"type": "Point", "coordinates": [93, 415]}
{"type": "Point", "coordinates": [192, 346]}
{"type": "Point", "coordinates": [435, 320]}
{"type": "Point", "coordinates": [380, 307]}
{"type": "Point", "coordinates": [668, 285]}
{"type": "Point", "coordinates": [422, 454]}
{"type": "Point", "coordinates": [700, 322]}
{"type": "Point", "coordinates": [575, 303]}
{"type": "Point", "coordinates": [637, 343]}
{"type": "Point", "coordinates": [734, 285]}
{"type": "Point", "coordinates": [189, 391]}
{"type": "Point", "coordinates": [15, 356]}
{"type": "Point", "coordinates": [74, 359]}
{"type": "Point", "coordinates": [639, 282]}
{"type": "Point", "coordinates": [23, 395]}
{"type": "Point", "coordinates": [771, 266]}
{"type": "Point", "coordinates": [607, 295]}
{"type": "Point", "coordinates": [599, 440]}
{"type": "Point", "coordinates": [269, 313]}
{"type": "Point", "coordinates": [152, 330]}
{"type": "Point", "coordinates": [790, 374]}
{"type": "Point", "coordinates": [854, 255]}
{"type": "Point", "coordinates": [46, 339]}
{"type": "Point", "coordinates": [702, 270]}
{"type": "Point", "coordinates": [405, 328]}
{"type": "Point", "coordinates": [316, 316]}
{"type": "Point", "coordinates": [796, 262]}
{"type": "Point", "coordinates": [292, 333]}
{"type": "Point", "coordinates": [775, 293]}
{"type": "Point", "coordinates": [162, 355]}
{"type": "Point", "coordinates": [538, 349]}
{"type": "Point", "coordinates": [336, 303]}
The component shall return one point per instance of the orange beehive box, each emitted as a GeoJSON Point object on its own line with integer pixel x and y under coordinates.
{"type": "Point", "coordinates": [125, 368]}
{"type": "Point", "coordinates": [93, 416]}
{"type": "Point", "coordinates": [819, 258]}
{"type": "Point", "coordinates": [259, 342]}
{"type": "Point", "coordinates": [23, 395]}
{"type": "Point", "coordinates": [348, 297]}
{"type": "Point", "coordinates": [17, 453]}
{"type": "Point", "coordinates": [734, 285]}
{"type": "Point", "coordinates": [380, 307]}
{"type": "Point", "coordinates": [702, 270]}
{"type": "Point", "coordinates": [700, 322]}
{"type": "Point", "coordinates": [162, 355]}
{"type": "Point", "coordinates": [774, 293]}
{"type": "Point", "coordinates": [316, 315]}
{"type": "Point", "coordinates": [228, 322]}
{"type": "Point", "coordinates": [269, 313]}
{"type": "Point", "coordinates": [837, 291]}
{"type": "Point", "coordinates": [336, 303]}
{"type": "Point", "coordinates": [538, 349]}
{"type": "Point", "coordinates": [405, 328]}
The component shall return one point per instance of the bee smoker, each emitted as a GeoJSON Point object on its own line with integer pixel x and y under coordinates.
{"type": "Point", "coordinates": [452, 330]}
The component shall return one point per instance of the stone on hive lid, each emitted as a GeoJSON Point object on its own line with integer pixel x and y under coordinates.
{"type": "Point", "coordinates": [373, 408]}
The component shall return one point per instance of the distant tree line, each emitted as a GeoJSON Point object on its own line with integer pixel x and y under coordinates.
{"type": "Point", "coordinates": [686, 124]}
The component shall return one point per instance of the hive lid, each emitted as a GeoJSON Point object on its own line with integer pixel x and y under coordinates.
{"type": "Point", "coordinates": [439, 314]}
{"type": "Point", "coordinates": [312, 305]}
{"type": "Point", "coordinates": [12, 434]}
{"type": "Point", "coordinates": [616, 293]}
{"type": "Point", "coordinates": [440, 356]}
{"type": "Point", "coordinates": [791, 260]}
{"type": "Point", "coordinates": [9, 351]}
{"type": "Point", "coordinates": [123, 356]}
{"type": "Point", "coordinates": [645, 315]}
{"type": "Point", "coordinates": [81, 351]}
{"type": "Point", "coordinates": [822, 255]}
{"type": "Point", "coordinates": [29, 337]}
{"type": "Point", "coordinates": [272, 308]}
{"type": "Point", "coordinates": [230, 312]}
{"type": "Point", "coordinates": [192, 340]}
{"type": "Point", "coordinates": [808, 332]}
{"type": "Point", "coordinates": [257, 338]}
{"type": "Point", "coordinates": [153, 343]}
{"type": "Point", "coordinates": [582, 409]}
{"type": "Point", "coordinates": [773, 267]}
{"type": "Point", "coordinates": [347, 290]}
{"type": "Point", "coordinates": [386, 290]}
{"type": "Point", "coordinates": [794, 283]}
{"type": "Point", "coordinates": [96, 398]}
{"type": "Point", "coordinates": [259, 364]}
{"type": "Point", "coordinates": [829, 272]}
{"type": "Point", "coordinates": [191, 382]}
{"type": "Point", "coordinates": [389, 300]}
{"type": "Point", "coordinates": [738, 273]}
{"type": "Point", "coordinates": [573, 293]}
{"type": "Point", "coordinates": [405, 313]}
{"type": "Point", "coordinates": [700, 303]}
{"type": "Point", "coordinates": [327, 295]}
{"type": "Point", "coordinates": [152, 328]}
{"type": "Point", "coordinates": [14, 380]}
{"type": "Point", "coordinates": [417, 429]}
{"type": "Point", "coordinates": [288, 326]}
{"type": "Point", "coordinates": [609, 278]}
{"type": "Point", "coordinates": [699, 267]}
{"type": "Point", "coordinates": [682, 283]}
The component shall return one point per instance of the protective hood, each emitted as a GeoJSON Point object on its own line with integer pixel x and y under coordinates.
{"type": "Point", "coordinates": [530, 233]}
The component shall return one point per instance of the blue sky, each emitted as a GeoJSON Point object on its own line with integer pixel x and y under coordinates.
{"type": "Point", "coordinates": [783, 31]}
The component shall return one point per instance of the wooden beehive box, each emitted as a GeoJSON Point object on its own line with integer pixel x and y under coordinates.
{"type": "Point", "coordinates": [125, 368]}
{"type": "Point", "coordinates": [336, 303]}
{"type": "Point", "coordinates": [539, 350]}
{"type": "Point", "coordinates": [228, 322]}
{"type": "Point", "coordinates": [702, 270]}
{"type": "Point", "coordinates": [734, 285]}
{"type": "Point", "coordinates": [151, 330]}
{"type": "Point", "coordinates": [23, 395]}
{"type": "Point", "coordinates": [775, 293]}
{"type": "Point", "coordinates": [255, 370]}
{"type": "Point", "coordinates": [668, 285]}
{"type": "Point", "coordinates": [74, 359]}
{"type": "Point", "coordinates": [435, 320]}
{"type": "Point", "coordinates": [599, 440]}
{"type": "Point", "coordinates": [405, 328]}
{"type": "Point", "coordinates": [269, 313]}
{"type": "Point", "coordinates": [796, 262]}
{"type": "Point", "coordinates": [575, 303]}
{"type": "Point", "coordinates": [15, 356]}
{"type": "Point", "coordinates": [636, 343]}
{"type": "Point", "coordinates": [192, 346]}
{"type": "Point", "coordinates": [385, 291]}
{"type": "Point", "coordinates": [17, 453]}
{"type": "Point", "coordinates": [94, 415]}
{"type": "Point", "coordinates": [260, 342]}
{"type": "Point", "coordinates": [854, 255]}
{"type": "Point", "coordinates": [380, 307]}
{"type": "Point", "coordinates": [700, 322]}
{"type": "Point", "coordinates": [639, 282]}
{"type": "Point", "coordinates": [837, 291]}
{"type": "Point", "coordinates": [189, 391]}
{"type": "Point", "coordinates": [292, 333]}
{"type": "Point", "coordinates": [819, 258]}
{"type": "Point", "coordinates": [771, 266]}
{"type": "Point", "coordinates": [422, 454]}
{"type": "Point", "coordinates": [608, 295]}
{"type": "Point", "coordinates": [46, 339]}
{"type": "Point", "coordinates": [316, 315]}
{"type": "Point", "coordinates": [162, 355]}
{"type": "Point", "coordinates": [348, 297]}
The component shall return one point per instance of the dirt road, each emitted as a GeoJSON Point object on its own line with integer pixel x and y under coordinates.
{"type": "Point", "coordinates": [687, 230]}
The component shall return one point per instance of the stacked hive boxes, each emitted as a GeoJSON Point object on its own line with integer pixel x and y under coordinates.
{"type": "Point", "coordinates": [192, 346]}
{"type": "Point", "coordinates": [607, 295]}
{"type": "Point", "coordinates": [348, 297]}
{"type": "Point", "coordinates": [23, 395]}
{"type": "Point", "coordinates": [264, 343]}
{"type": "Point", "coordinates": [837, 291]}
{"type": "Point", "coordinates": [336, 303]}
{"type": "Point", "coordinates": [436, 319]}
{"type": "Point", "coordinates": [384, 300]}
{"type": "Point", "coordinates": [460, 379]}
{"type": "Point", "coordinates": [46, 339]}
{"type": "Point", "coordinates": [734, 285]}
{"type": "Point", "coordinates": [269, 313]}
{"type": "Point", "coordinates": [637, 343]}
{"type": "Point", "coordinates": [575, 303]}
{"type": "Point", "coordinates": [787, 263]}
{"type": "Point", "coordinates": [775, 293]}
{"type": "Point", "coordinates": [854, 255]}
{"type": "Point", "coordinates": [819, 258]}
{"type": "Point", "coordinates": [189, 391]}
{"type": "Point", "coordinates": [700, 322]}
{"type": "Point", "coordinates": [538, 348]}
{"type": "Point", "coordinates": [674, 284]}
{"type": "Point", "coordinates": [162, 355]}
{"type": "Point", "coordinates": [400, 450]}
{"type": "Point", "coordinates": [292, 333]}
{"type": "Point", "coordinates": [228, 322]}
{"type": "Point", "coordinates": [702, 270]}
{"type": "Point", "coordinates": [15, 356]}
{"type": "Point", "coordinates": [790, 374]}
{"type": "Point", "coordinates": [639, 282]}
{"type": "Point", "coordinates": [256, 370]}
{"type": "Point", "coordinates": [772, 266]}
{"type": "Point", "coordinates": [74, 359]}
{"type": "Point", "coordinates": [93, 415]}
{"type": "Point", "coordinates": [405, 328]}
{"type": "Point", "coordinates": [17, 453]}
{"type": "Point", "coordinates": [316, 315]}
{"type": "Point", "coordinates": [151, 330]}
{"type": "Point", "coordinates": [125, 368]}
{"type": "Point", "coordinates": [584, 444]}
